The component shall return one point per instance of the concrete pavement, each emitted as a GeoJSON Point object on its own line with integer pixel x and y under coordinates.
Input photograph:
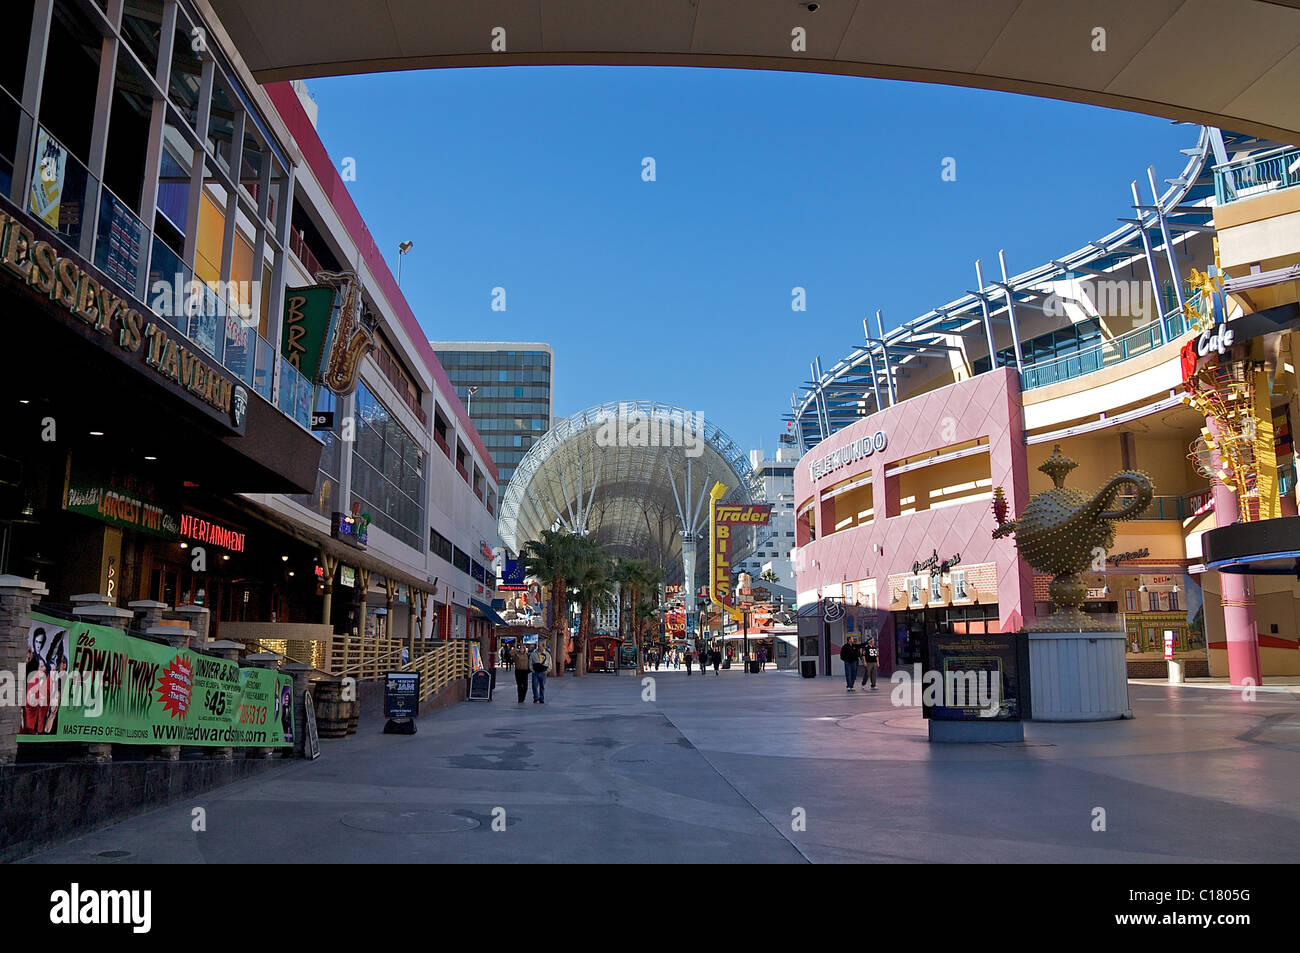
{"type": "Point", "coordinates": [722, 769]}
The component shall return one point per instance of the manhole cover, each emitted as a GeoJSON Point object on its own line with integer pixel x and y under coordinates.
{"type": "Point", "coordinates": [114, 854]}
{"type": "Point", "coordinates": [409, 822]}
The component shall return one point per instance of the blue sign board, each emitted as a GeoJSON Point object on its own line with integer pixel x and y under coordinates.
{"type": "Point", "coordinates": [512, 579]}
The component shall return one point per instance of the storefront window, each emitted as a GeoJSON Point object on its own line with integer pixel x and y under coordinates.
{"type": "Point", "coordinates": [914, 591]}
{"type": "Point", "coordinates": [936, 592]}
{"type": "Point", "coordinates": [388, 471]}
{"type": "Point", "coordinates": [959, 585]}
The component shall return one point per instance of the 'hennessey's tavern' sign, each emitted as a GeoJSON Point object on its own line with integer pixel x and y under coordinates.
{"type": "Point", "coordinates": [65, 282]}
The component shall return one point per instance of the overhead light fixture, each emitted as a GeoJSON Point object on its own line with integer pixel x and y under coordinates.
{"type": "Point", "coordinates": [1142, 587]}
{"type": "Point", "coordinates": [225, 556]}
{"type": "Point", "coordinates": [97, 433]}
{"type": "Point", "coordinates": [291, 572]}
{"type": "Point", "coordinates": [185, 545]}
{"type": "Point", "coordinates": [24, 401]}
{"type": "Point", "coordinates": [284, 559]}
{"type": "Point", "coordinates": [150, 458]}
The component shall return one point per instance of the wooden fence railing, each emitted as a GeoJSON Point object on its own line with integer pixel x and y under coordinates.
{"type": "Point", "coordinates": [447, 662]}
{"type": "Point", "coordinates": [438, 662]}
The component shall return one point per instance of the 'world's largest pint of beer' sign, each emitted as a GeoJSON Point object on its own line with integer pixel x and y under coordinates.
{"type": "Point", "coordinates": [724, 518]}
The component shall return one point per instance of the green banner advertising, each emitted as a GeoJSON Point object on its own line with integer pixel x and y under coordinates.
{"type": "Point", "coordinates": [120, 499]}
{"type": "Point", "coordinates": [307, 313]}
{"type": "Point", "coordinates": [95, 683]}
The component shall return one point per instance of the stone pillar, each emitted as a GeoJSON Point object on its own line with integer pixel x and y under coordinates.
{"type": "Point", "coordinates": [101, 613]}
{"type": "Point", "coordinates": [1236, 591]}
{"type": "Point", "coordinates": [300, 673]}
{"type": "Point", "coordinates": [199, 619]}
{"type": "Point", "coordinates": [16, 597]}
{"type": "Point", "coordinates": [268, 660]}
{"type": "Point", "coordinates": [177, 638]}
{"type": "Point", "coordinates": [149, 611]}
{"type": "Point", "coordinates": [226, 649]}
{"type": "Point", "coordinates": [329, 565]}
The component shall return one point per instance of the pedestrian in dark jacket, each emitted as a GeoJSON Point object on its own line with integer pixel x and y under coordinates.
{"type": "Point", "coordinates": [869, 662]}
{"type": "Point", "coordinates": [849, 656]}
{"type": "Point", "coordinates": [716, 657]}
{"type": "Point", "coordinates": [689, 657]}
{"type": "Point", "coordinates": [520, 657]}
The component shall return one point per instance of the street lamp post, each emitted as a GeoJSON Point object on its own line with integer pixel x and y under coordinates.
{"type": "Point", "coordinates": [402, 249]}
{"type": "Point", "coordinates": [469, 397]}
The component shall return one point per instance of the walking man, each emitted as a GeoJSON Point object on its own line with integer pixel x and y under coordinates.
{"type": "Point", "coordinates": [689, 655]}
{"type": "Point", "coordinates": [540, 661]}
{"type": "Point", "coordinates": [870, 662]}
{"type": "Point", "coordinates": [849, 656]}
{"type": "Point", "coordinates": [520, 657]}
{"type": "Point", "coordinates": [716, 658]}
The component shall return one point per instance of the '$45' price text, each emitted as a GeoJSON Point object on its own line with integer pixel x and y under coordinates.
{"type": "Point", "coordinates": [215, 702]}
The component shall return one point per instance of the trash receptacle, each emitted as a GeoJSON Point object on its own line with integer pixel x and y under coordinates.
{"type": "Point", "coordinates": [755, 666]}
{"type": "Point", "coordinates": [808, 668]}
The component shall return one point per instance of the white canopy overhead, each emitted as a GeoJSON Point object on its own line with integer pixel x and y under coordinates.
{"type": "Point", "coordinates": [633, 474]}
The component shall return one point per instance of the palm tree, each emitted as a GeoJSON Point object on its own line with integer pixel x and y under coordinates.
{"type": "Point", "coordinates": [767, 575]}
{"type": "Point", "coordinates": [592, 581]}
{"type": "Point", "coordinates": [554, 557]}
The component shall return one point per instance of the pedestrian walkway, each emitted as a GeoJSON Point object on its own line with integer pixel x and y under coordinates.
{"type": "Point", "coordinates": [729, 769]}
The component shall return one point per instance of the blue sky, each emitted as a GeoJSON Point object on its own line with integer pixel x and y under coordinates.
{"type": "Point", "coordinates": [529, 178]}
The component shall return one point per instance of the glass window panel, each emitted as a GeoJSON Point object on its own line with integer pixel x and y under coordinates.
{"type": "Point", "coordinates": [142, 28]}
{"type": "Point", "coordinates": [186, 74]}
{"type": "Point", "coordinates": [221, 121]}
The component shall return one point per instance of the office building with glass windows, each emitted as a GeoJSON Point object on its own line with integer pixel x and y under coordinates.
{"type": "Point", "coordinates": [513, 393]}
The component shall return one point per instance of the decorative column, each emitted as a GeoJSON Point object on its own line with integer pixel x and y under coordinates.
{"type": "Point", "coordinates": [1236, 593]}
{"type": "Point", "coordinates": [176, 638]}
{"type": "Point", "coordinates": [301, 675]}
{"type": "Point", "coordinates": [390, 601]}
{"type": "Point", "coordinates": [16, 597]}
{"type": "Point", "coordinates": [228, 650]}
{"type": "Point", "coordinates": [149, 611]}
{"type": "Point", "coordinates": [329, 565]}
{"type": "Point", "coordinates": [100, 613]}
{"type": "Point", "coordinates": [267, 660]}
{"type": "Point", "coordinates": [199, 621]}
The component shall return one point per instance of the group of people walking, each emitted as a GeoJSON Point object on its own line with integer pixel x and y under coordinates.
{"type": "Point", "coordinates": [535, 662]}
{"type": "Point", "coordinates": [863, 658]}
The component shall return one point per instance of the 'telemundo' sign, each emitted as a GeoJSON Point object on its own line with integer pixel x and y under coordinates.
{"type": "Point", "coordinates": [855, 450]}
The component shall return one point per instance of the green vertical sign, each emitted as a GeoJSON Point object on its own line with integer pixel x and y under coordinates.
{"type": "Point", "coordinates": [307, 314]}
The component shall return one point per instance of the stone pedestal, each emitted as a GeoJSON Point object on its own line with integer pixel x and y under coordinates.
{"type": "Point", "coordinates": [148, 613]}
{"type": "Point", "coordinates": [95, 610]}
{"type": "Point", "coordinates": [16, 598]}
{"type": "Point", "coordinates": [226, 649]}
{"type": "Point", "coordinates": [975, 731]}
{"type": "Point", "coordinates": [301, 686]}
{"type": "Point", "coordinates": [177, 638]}
{"type": "Point", "coordinates": [199, 619]}
{"type": "Point", "coordinates": [262, 660]}
{"type": "Point", "coordinates": [1078, 676]}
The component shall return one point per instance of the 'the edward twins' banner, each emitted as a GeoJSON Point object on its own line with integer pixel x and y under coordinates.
{"type": "Point", "coordinates": [95, 683]}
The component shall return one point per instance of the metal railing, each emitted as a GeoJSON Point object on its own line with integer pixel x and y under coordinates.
{"type": "Point", "coordinates": [1115, 351]}
{"type": "Point", "coordinates": [1266, 172]}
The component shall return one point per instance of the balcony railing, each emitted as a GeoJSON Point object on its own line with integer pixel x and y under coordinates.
{"type": "Point", "coordinates": [90, 218]}
{"type": "Point", "coordinates": [1266, 172]}
{"type": "Point", "coordinates": [1115, 351]}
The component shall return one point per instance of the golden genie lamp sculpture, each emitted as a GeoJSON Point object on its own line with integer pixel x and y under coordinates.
{"type": "Point", "coordinates": [1062, 532]}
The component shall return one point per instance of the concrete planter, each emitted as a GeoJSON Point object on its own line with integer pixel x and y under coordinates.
{"type": "Point", "coordinates": [1078, 676]}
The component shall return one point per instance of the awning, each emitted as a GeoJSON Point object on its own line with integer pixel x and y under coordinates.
{"type": "Point", "coordinates": [487, 612]}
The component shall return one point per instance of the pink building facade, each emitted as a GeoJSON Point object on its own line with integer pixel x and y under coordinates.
{"type": "Point", "coordinates": [875, 567]}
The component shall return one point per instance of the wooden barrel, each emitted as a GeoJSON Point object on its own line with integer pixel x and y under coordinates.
{"type": "Point", "coordinates": [354, 713]}
{"type": "Point", "coordinates": [331, 710]}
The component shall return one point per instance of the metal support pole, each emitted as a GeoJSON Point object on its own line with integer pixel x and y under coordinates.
{"type": "Point", "coordinates": [1011, 311]}
{"type": "Point", "coordinates": [988, 320]}
{"type": "Point", "coordinates": [884, 351]}
{"type": "Point", "coordinates": [875, 384]}
{"type": "Point", "coordinates": [1164, 231]}
{"type": "Point", "coordinates": [1151, 261]}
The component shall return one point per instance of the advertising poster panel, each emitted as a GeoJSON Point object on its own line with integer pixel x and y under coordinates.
{"type": "Point", "coordinates": [95, 683]}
